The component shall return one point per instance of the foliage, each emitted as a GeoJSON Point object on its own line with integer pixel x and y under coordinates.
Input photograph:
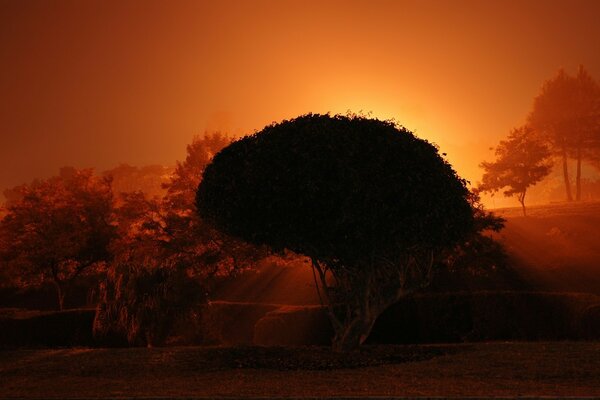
{"type": "Point", "coordinates": [143, 301]}
{"type": "Point", "coordinates": [184, 232]}
{"type": "Point", "coordinates": [372, 205]}
{"type": "Point", "coordinates": [567, 114]}
{"type": "Point", "coordinates": [522, 160]}
{"type": "Point", "coordinates": [181, 189]}
{"type": "Point", "coordinates": [148, 180]}
{"type": "Point", "coordinates": [167, 228]}
{"type": "Point", "coordinates": [140, 225]}
{"type": "Point", "coordinates": [478, 262]}
{"type": "Point", "coordinates": [565, 108]}
{"type": "Point", "coordinates": [167, 258]}
{"type": "Point", "coordinates": [57, 228]}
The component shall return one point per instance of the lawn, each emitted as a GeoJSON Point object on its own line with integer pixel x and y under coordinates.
{"type": "Point", "coordinates": [482, 369]}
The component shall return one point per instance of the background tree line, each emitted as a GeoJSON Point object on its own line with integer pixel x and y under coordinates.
{"type": "Point", "coordinates": [563, 125]}
{"type": "Point", "coordinates": [133, 230]}
{"type": "Point", "coordinates": [152, 258]}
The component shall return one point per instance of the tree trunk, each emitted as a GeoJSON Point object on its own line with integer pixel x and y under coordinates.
{"type": "Point", "coordinates": [566, 175]}
{"type": "Point", "coordinates": [353, 334]}
{"type": "Point", "coordinates": [521, 198]}
{"type": "Point", "coordinates": [370, 295]}
{"type": "Point", "coordinates": [354, 331]}
{"type": "Point", "coordinates": [60, 293]}
{"type": "Point", "coordinates": [578, 177]}
{"type": "Point", "coordinates": [349, 333]}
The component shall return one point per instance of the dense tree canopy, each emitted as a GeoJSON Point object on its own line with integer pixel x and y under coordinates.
{"type": "Point", "coordinates": [57, 228]}
{"type": "Point", "coordinates": [370, 203]}
{"type": "Point", "coordinates": [335, 188]}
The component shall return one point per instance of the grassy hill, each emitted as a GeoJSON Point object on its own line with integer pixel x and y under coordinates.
{"type": "Point", "coordinates": [557, 246]}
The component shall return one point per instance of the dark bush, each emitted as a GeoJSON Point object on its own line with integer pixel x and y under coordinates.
{"type": "Point", "coordinates": [143, 302]}
{"type": "Point", "coordinates": [459, 317]}
{"type": "Point", "coordinates": [55, 329]}
{"type": "Point", "coordinates": [589, 323]}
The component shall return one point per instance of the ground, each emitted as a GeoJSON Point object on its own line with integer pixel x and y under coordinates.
{"type": "Point", "coordinates": [557, 247]}
{"type": "Point", "coordinates": [483, 369]}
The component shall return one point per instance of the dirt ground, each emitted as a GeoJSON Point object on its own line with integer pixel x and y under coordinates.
{"type": "Point", "coordinates": [485, 369]}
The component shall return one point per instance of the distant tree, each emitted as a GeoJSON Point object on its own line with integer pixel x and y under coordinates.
{"type": "Point", "coordinates": [184, 232]}
{"type": "Point", "coordinates": [149, 180]}
{"type": "Point", "coordinates": [163, 249]}
{"type": "Point", "coordinates": [57, 228]}
{"type": "Point", "coordinates": [140, 228]}
{"type": "Point", "coordinates": [15, 194]}
{"type": "Point", "coordinates": [182, 225]}
{"type": "Point", "coordinates": [370, 204]}
{"type": "Point", "coordinates": [567, 113]}
{"type": "Point", "coordinates": [181, 188]}
{"type": "Point", "coordinates": [522, 160]}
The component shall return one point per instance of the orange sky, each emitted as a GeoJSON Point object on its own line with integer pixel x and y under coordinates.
{"type": "Point", "coordinates": [96, 83]}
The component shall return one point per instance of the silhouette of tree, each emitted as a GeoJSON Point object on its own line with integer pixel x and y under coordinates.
{"type": "Point", "coordinates": [567, 113]}
{"type": "Point", "coordinates": [57, 228]}
{"type": "Point", "coordinates": [163, 249]}
{"type": "Point", "coordinates": [373, 206]}
{"type": "Point", "coordinates": [185, 234]}
{"type": "Point", "coordinates": [478, 262]}
{"type": "Point", "coordinates": [182, 225]}
{"type": "Point", "coordinates": [522, 160]}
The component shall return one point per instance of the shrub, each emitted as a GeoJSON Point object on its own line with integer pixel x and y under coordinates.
{"type": "Point", "coordinates": [143, 302]}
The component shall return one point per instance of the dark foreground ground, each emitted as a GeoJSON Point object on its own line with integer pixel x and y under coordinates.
{"type": "Point", "coordinates": [484, 369]}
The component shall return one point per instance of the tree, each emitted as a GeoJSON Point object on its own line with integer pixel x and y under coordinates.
{"type": "Point", "coordinates": [166, 257]}
{"type": "Point", "coordinates": [140, 227]}
{"type": "Point", "coordinates": [185, 234]}
{"type": "Point", "coordinates": [522, 160]}
{"type": "Point", "coordinates": [184, 231]}
{"type": "Point", "coordinates": [148, 179]}
{"type": "Point", "coordinates": [566, 112]}
{"type": "Point", "coordinates": [58, 228]}
{"type": "Point", "coordinates": [370, 204]}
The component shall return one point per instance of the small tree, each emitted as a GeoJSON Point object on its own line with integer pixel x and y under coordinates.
{"type": "Point", "coordinates": [521, 161]}
{"type": "Point", "coordinates": [369, 203]}
{"type": "Point", "coordinates": [57, 228]}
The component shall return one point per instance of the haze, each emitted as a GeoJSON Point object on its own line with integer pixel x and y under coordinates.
{"type": "Point", "coordinates": [97, 83]}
